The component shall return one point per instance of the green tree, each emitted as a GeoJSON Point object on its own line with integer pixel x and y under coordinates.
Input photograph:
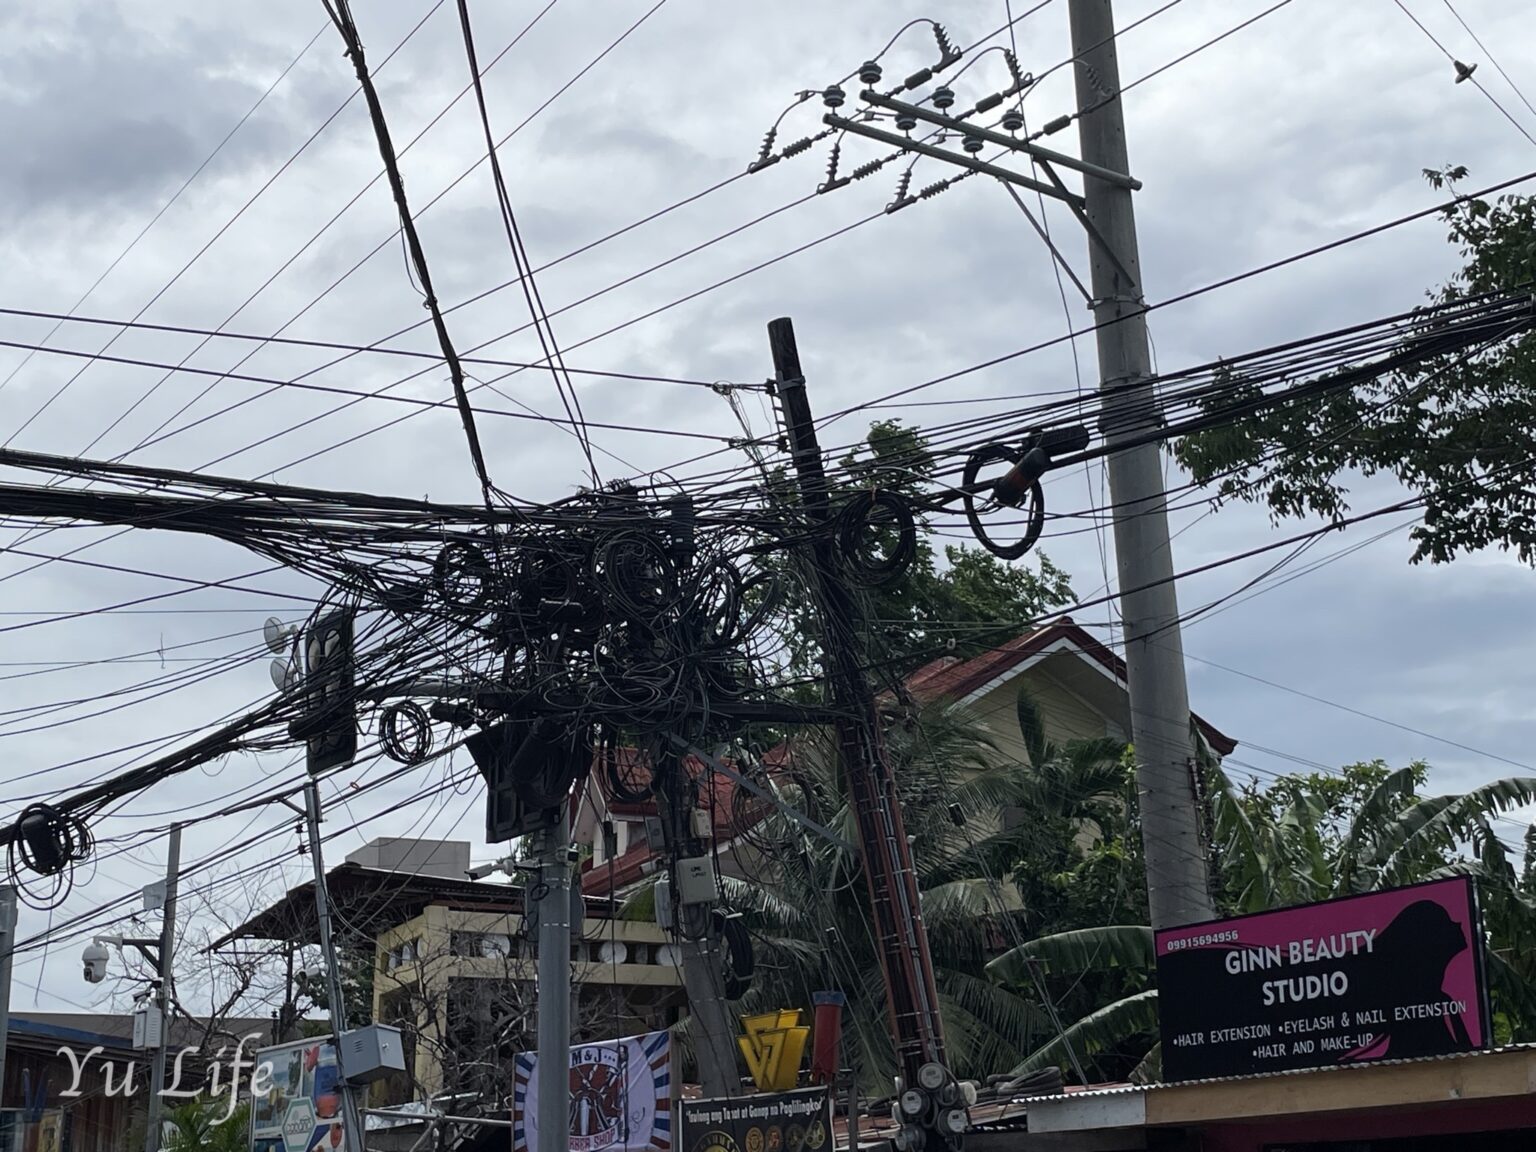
{"type": "Point", "coordinates": [1458, 429]}
{"type": "Point", "coordinates": [1304, 837]}
{"type": "Point", "coordinates": [1084, 866]}
{"type": "Point", "coordinates": [1314, 836]}
{"type": "Point", "coordinates": [200, 1126]}
{"type": "Point", "coordinates": [807, 906]}
{"type": "Point", "coordinates": [974, 817]}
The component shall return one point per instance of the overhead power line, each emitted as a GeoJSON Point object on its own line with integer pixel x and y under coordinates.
{"type": "Point", "coordinates": [341, 15]}
{"type": "Point", "coordinates": [1463, 72]}
{"type": "Point", "coordinates": [170, 201]}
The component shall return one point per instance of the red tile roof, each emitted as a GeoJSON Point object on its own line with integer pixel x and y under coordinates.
{"type": "Point", "coordinates": [626, 868]}
{"type": "Point", "coordinates": [956, 679]}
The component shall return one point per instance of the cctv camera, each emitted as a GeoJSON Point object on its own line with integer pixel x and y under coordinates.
{"type": "Point", "coordinates": [95, 960]}
{"type": "Point", "coordinates": [572, 854]}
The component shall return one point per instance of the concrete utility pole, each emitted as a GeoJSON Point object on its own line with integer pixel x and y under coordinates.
{"type": "Point", "coordinates": [1178, 887]}
{"type": "Point", "coordinates": [351, 1116]}
{"type": "Point", "coordinates": [555, 984]}
{"type": "Point", "coordinates": [166, 995]}
{"type": "Point", "coordinates": [714, 1037]}
{"type": "Point", "coordinates": [7, 952]}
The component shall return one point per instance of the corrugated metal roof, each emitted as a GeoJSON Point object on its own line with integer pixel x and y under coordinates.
{"type": "Point", "coordinates": [1124, 1089]}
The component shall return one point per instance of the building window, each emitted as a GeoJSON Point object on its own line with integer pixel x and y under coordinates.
{"type": "Point", "coordinates": [485, 945]}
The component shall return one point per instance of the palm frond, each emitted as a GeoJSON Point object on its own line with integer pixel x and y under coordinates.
{"type": "Point", "coordinates": [1109, 1026]}
{"type": "Point", "coordinates": [965, 901]}
{"type": "Point", "coordinates": [1085, 949]}
{"type": "Point", "coordinates": [1375, 809]}
{"type": "Point", "coordinates": [640, 904]}
{"type": "Point", "coordinates": [1248, 848]}
{"type": "Point", "coordinates": [1150, 1070]}
{"type": "Point", "coordinates": [987, 1029]}
{"type": "Point", "coordinates": [1033, 727]}
{"type": "Point", "coordinates": [1439, 822]}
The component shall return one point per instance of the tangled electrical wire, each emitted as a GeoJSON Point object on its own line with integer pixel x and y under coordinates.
{"type": "Point", "coordinates": [590, 630]}
{"type": "Point", "coordinates": [48, 844]}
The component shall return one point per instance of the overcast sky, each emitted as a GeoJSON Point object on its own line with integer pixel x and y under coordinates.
{"type": "Point", "coordinates": [1310, 125]}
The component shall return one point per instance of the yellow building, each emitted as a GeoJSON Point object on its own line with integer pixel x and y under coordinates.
{"type": "Point", "coordinates": [452, 962]}
{"type": "Point", "coordinates": [460, 982]}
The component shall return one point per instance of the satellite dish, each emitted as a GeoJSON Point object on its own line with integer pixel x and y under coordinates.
{"type": "Point", "coordinates": [282, 675]}
{"type": "Point", "coordinates": [667, 956]}
{"type": "Point", "coordinates": [613, 952]}
{"type": "Point", "coordinates": [276, 634]}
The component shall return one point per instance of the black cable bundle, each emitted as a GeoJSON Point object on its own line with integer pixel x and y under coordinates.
{"type": "Point", "coordinates": [857, 528]}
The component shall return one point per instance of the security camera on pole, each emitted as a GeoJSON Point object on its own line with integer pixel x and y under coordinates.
{"type": "Point", "coordinates": [150, 1029]}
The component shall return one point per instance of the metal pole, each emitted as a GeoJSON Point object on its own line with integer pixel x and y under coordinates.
{"type": "Point", "coordinates": [352, 1120]}
{"type": "Point", "coordinates": [165, 967]}
{"type": "Point", "coordinates": [911, 991]}
{"type": "Point", "coordinates": [714, 1037]}
{"type": "Point", "coordinates": [555, 986]}
{"type": "Point", "coordinates": [1178, 888]}
{"type": "Point", "coordinates": [7, 951]}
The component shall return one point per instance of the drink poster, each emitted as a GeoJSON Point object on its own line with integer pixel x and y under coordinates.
{"type": "Point", "coordinates": [300, 1109]}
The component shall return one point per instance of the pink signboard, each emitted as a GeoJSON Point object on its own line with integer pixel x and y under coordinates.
{"type": "Point", "coordinates": [1389, 975]}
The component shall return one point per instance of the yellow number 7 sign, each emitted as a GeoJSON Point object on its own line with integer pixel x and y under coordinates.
{"type": "Point", "coordinates": [772, 1047]}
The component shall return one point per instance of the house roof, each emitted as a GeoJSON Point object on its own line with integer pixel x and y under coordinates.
{"type": "Point", "coordinates": [78, 1029]}
{"type": "Point", "coordinates": [1414, 1083]}
{"type": "Point", "coordinates": [115, 1030]}
{"type": "Point", "coordinates": [623, 870]}
{"type": "Point", "coordinates": [950, 677]}
{"type": "Point", "coordinates": [370, 900]}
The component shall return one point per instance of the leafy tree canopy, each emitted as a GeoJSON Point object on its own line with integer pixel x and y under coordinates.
{"type": "Point", "coordinates": [1457, 430]}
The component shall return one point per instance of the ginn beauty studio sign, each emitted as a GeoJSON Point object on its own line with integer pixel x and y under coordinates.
{"type": "Point", "coordinates": [1389, 975]}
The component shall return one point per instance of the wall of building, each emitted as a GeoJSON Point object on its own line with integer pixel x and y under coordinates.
{"type": "Point", "coordinates": [93, 1121]}
{"type": "Point", "coordinates": [1486, 1126]}
{"type": "Point", "coordinates": [418, 963]}
{"type": "Point", "coordinates": [1067, 716]}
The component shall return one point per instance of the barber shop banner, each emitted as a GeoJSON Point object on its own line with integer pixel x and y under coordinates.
{"type": "Point", "coordinates": [621, 1096]}
{"type": "Point", "coordinates": [1386, 976]}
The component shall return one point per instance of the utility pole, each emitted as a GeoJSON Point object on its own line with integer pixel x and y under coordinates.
{"type": "Point", "coordinates": [7, 952]}
{"type": "Point", "coordinates": [714, 1037]}
{"type": "Point", "coordinates": [929, 1097]}
{"type": "Point", "coordinates": [352, 1118]}
{"type": "Point", "coordinates": [555, 983]}
{"type": "Point", "coordinates": [1178, 886]}
{"type": "Point", "coordinates": [165, 996]}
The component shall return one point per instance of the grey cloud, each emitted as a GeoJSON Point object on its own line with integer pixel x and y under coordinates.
{"type": "Point", "coordinates": [1277, 139]}
{"type": "Point", "coordinates": [101, 121]}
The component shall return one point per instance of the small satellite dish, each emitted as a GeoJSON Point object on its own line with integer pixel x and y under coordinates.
{"type": "Point", "coordinates": [282, 675]}
{"type": "Point", "coordinates": [667, 956]}
{"type": "Point", "coordinates": [276, 634]}
{"type": "Point", "coordinates": [613, 952]}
